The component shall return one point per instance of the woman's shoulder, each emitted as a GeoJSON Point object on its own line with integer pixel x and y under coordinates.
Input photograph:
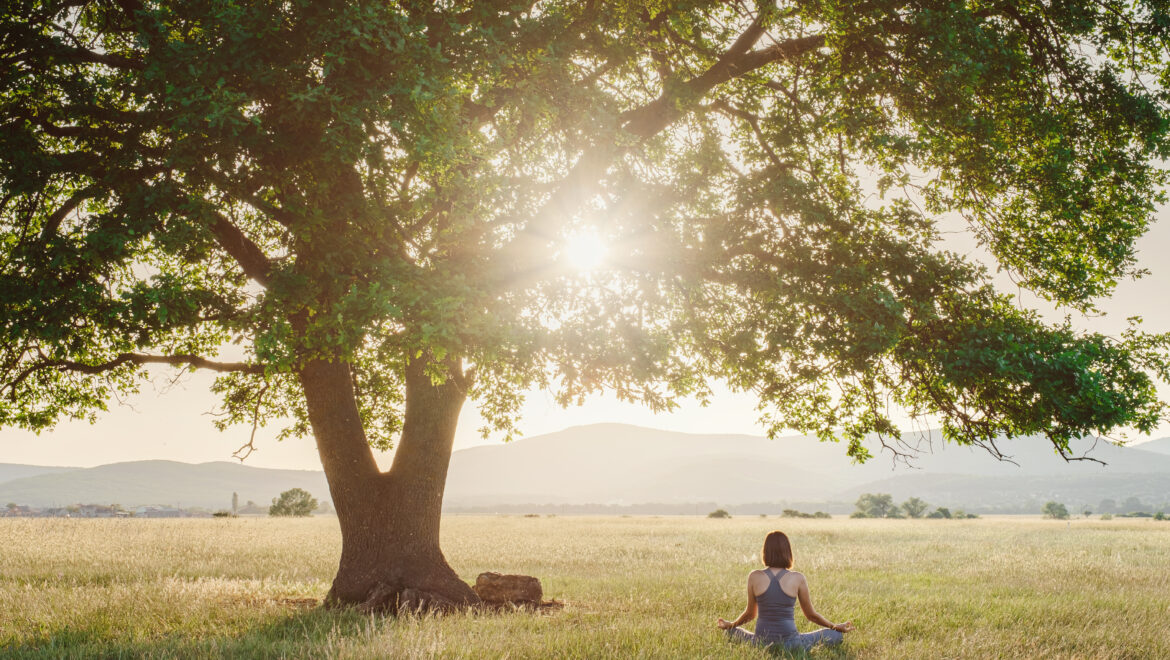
{"type": "Point", "coordinates": [757, 576]}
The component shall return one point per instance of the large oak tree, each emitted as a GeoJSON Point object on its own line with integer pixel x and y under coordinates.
{"type": "Point", "coordinates": [373, 200]}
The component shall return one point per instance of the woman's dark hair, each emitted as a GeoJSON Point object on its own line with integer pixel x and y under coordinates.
{"type": "Point", "coordinates": [777, 552]}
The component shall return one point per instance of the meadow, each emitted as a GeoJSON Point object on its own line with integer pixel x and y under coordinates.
{"type": "Point", "coordinates": [647, 587]}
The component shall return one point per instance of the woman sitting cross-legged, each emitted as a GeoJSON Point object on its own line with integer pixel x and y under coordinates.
{"type": "Point", "coordinates": [772, 591]}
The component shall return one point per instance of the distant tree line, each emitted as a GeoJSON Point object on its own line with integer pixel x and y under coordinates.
{"type": "Point", "coordinates": [793, 513]}
{"type": "Point", "coordinates": [1057, 511]}
{"type": "Point", "coordinates": [290, 503]}
{"type": "Point", "coordinates": [881, 505]}
{"type": "Point", "coordinates": [699, 508]}
{"type": "Point", "coordinates": [787, 513]}
{"type": "Point", "coordinates": [1131, 507]}
{"type": "Point", "coordinates": [1023, 506]}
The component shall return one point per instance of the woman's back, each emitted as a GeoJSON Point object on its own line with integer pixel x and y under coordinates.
{"type": "Point", "coordinates": [775, 620]}
{"type": "Point", "coordinates": [773, 604]}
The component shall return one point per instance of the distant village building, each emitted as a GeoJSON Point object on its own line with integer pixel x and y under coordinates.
{"type": "Point", "coordinates": [159, 512]}
{"type": "Point", "coordinates": [100, 511]}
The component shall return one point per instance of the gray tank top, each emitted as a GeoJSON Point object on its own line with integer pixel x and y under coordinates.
{"type": "Point", "coordinates": [774, 614]}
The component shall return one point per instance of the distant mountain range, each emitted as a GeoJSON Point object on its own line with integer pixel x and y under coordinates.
{"type": "Point", "coordinates": [623, 465]}
{"type": "Point", "coordinates": [1161, 446]}
{"type": "Point", "coordinates": [137, 483]}
{"type": "Point", "coordinates": [618, 465]}
{"type": "Point", "coordinates": [10, 471]}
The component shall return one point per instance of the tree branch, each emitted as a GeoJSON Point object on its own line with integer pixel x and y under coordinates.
{"type": "Point", "coordinates": [246, 192]}
{"type": "Point", "coordinates": [251, 258]}
{"type": "Point", "coordinates": [181, 359]}
{"type": "Point", "coordinates": [75, 54]}
{"type": "Point", "coordinates": [53, 129]}
{"type": "Point", "coordinates": [246, 449]}
{"type": "Point", "coordinates": [53, 222]}
{"type": "Point", "coordinates": [131, 7]}
{"type": "Point", "coordinates": [642, 122]}
{"type": "Point", "coordinates": [752, 120]}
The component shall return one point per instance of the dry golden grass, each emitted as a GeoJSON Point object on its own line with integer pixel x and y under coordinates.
{"type": "Point", "coordinates": [632, 587]}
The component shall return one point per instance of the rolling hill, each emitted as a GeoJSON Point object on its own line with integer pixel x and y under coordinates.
{"type": "Point", "coordinates": [620, 465]}
{"type": "Point", "coordinates": [10, 471]}
{"type": "Point", "coordinates": [207, 485]}
{"type": "Point", "coordinates": [614, 464]}
{"type": "Point", "coordinates": [1160, 446]}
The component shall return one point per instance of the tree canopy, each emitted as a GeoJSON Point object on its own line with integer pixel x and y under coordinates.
{"type": "Point", "coordinates": [876, 505]}
{"type": "Point", "coordinates": [1055, 510]}
{"type": "Point", "coordinates": [293, 502]}
{"type": "Point", "coordinates": [914, 507]}
{"type": "Point", "coordinates": [375, 183]}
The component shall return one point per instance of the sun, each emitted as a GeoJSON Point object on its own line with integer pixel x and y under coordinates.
{"type": "Point", "coordinates": [584, 251]}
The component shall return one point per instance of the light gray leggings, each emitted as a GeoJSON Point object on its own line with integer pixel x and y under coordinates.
{"type": "Point", "coordinates": [826, 636]}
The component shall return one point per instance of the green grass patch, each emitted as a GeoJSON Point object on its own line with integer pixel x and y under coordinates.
{"type": "Point", "coordinates": [641, 587]}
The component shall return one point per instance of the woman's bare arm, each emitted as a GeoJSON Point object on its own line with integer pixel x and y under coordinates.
{"type": "Point", "coordinates": [749, 612]}
{"type": "Point", "coordinates": [811, 614]}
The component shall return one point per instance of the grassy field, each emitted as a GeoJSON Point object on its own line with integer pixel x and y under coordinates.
{"type": "Point", "coordinates": [632, 587]}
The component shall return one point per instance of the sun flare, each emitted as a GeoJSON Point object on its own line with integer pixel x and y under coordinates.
{"type": "Point", "coordinates": [585, 251]}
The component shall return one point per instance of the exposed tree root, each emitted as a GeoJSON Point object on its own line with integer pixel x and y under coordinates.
{"type": "Point", "coordinates": [395, 599]}
{"type": "Point", "coordinates": [544, 607]}
{"type": "Point", "coordinates": [392, 599]}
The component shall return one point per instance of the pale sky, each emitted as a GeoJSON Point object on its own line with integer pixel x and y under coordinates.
{"type": "Point", "coordinates": [174, 424]}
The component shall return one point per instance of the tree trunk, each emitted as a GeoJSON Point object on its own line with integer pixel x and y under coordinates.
{"type": "Point", "coordinates": [390, 556]}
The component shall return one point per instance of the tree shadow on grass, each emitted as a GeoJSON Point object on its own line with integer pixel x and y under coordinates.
{"type": "Point", "coordinates": [311, 633]}
{"type": "Point", "coordinates": [307, 633]}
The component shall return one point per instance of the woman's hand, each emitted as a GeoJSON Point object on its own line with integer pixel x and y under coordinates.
{"type": "Point", "coordinates": [724, 624]}
{"type": "Point", "coordinates": [841, 627]}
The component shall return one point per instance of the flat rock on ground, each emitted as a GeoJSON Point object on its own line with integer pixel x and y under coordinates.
{"type": "Point", "coordinates": [495, 588]}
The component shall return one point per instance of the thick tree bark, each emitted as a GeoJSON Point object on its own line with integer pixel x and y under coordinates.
{"type": "Point", "coordinates": [390, 556]}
